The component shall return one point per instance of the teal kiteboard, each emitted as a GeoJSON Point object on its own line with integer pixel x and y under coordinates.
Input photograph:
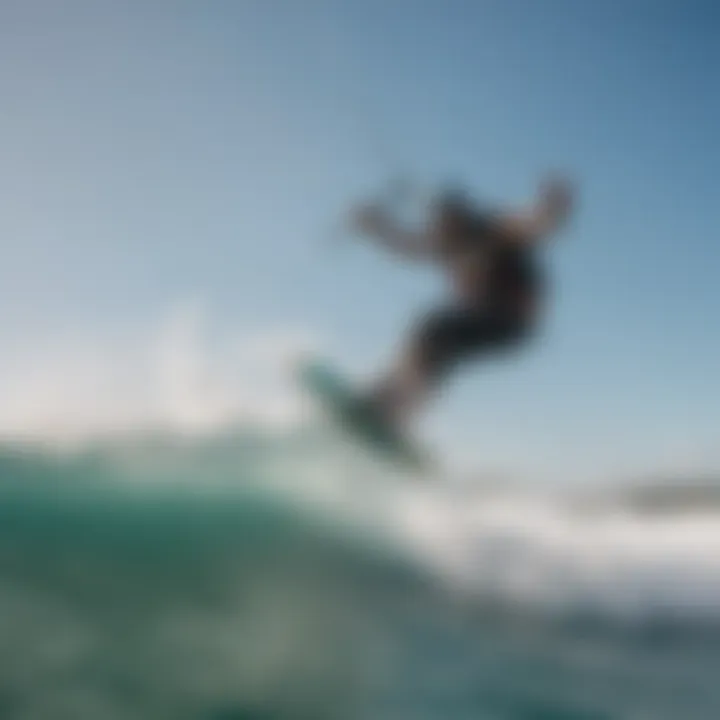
{"type": "Point", "coordinates": [346, 407]}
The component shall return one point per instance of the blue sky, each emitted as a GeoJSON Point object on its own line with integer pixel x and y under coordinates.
{"type": "Point", "coordinates": [158, 152]}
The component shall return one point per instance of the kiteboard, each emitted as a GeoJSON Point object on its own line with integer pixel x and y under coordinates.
{"type": "Point", "coordinates": [347, 407]}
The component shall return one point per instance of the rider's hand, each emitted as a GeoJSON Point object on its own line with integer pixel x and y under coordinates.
{"type": "Point", "coordinates": [369, 219]}
{"type": "Point", "coordinates": [556, 195]}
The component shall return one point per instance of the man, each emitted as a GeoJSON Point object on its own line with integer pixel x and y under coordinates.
{"type": "Point", "coordinates": [491, 260]}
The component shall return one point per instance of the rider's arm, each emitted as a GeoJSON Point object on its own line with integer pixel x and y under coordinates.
{"type": "Point", "coordinates": [375, 223]}
{"type": "Point", "coordinates": [542, 220]}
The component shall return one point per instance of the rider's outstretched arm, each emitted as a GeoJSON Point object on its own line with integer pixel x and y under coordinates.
{"type": "Point", "coordinates": [377, 224]}
{"type": "Point", "coordinates": [549, 213]}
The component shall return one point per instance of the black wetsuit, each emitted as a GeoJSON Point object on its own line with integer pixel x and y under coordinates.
{"type": "Point", "coordinates": [495, 309]}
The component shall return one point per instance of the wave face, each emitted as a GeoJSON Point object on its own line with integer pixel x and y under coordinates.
{"type": "Point", "coordinates": [253, 574]}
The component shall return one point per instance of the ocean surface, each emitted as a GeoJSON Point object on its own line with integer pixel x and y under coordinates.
{"type": "Point", "coordinates": [250, 575]}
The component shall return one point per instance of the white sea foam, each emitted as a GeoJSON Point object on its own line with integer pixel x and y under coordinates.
{"type": "Point", "coordinates": [546, 552]}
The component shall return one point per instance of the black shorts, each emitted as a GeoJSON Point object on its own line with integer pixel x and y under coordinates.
{"type": "Point", "coordinates": [449, 336]}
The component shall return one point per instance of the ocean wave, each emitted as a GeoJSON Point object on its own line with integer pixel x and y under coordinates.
{"type": "Point", "coordinates": [539, 551]}
{"type": "Point", "coordinates": [167, 579]}
{"type": "Point", "coordinates": [254, 574]}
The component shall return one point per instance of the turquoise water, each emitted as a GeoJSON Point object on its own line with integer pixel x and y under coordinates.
{"type": "Point", "coordinates": [254, 577]}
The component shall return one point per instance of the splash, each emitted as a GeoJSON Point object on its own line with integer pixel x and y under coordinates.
{"type": "Point", "coordinates": [178, 377]}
